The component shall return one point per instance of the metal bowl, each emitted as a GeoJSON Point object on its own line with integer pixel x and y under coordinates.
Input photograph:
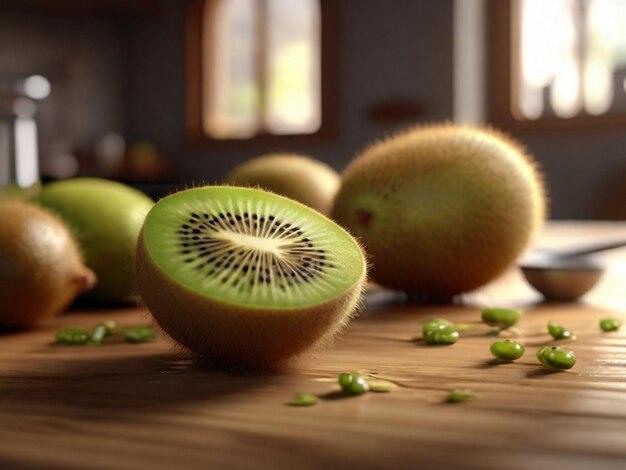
{"type": "Point", "coordinates": [563, 279]}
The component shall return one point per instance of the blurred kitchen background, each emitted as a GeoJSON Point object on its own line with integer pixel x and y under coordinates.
{"type": "Point", "coordinates": [163, 94]}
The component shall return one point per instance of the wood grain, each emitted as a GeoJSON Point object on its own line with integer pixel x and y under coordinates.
{"type": "Point", "coordinates": [148, 406]}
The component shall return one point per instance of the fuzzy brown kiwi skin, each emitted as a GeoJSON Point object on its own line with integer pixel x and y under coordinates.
{"type": "Point", "coordinates": [412, 257]}
{"type": "Point", "coordinates": [234, 337]}
{"type": "Point", "coordinates": [41, 268]}
{"type": "Point", "coordinates": [298, 177]}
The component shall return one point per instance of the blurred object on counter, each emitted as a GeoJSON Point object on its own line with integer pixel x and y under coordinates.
{"type": "Point", "coordinates": [36, 87]}
{"type": "Point", "coordinates": [143, 162]}
{"type": "Point", "coordinates": [62, 165]}
{"type": "Point", "coordinates": [109, 151]}
{"type": "Point", "coordinates": [19, 159]}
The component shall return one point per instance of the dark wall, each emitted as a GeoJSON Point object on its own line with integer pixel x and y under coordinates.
{"type": "Point", "coordinates": [81, 55]}
{"type": "Point", "coordinates": [126, 72]}
{"type": "Point", "coordinates": [385, 50]}
{"type": "Point", "coordinates": [585, 172]}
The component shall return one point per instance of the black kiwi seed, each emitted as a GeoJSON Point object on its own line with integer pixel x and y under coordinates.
{"type": "Point", "coordinates": [301, 262]}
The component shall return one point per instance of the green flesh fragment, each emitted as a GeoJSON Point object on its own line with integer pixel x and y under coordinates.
{"type": "Point", "coordinates": [303, 399]}
{"type": "Point", "coordinates": [380, 385]}
{"type": "Point", "coordinates": [253, 248]}
{"type": "Point", "coordinates": [507, 350]}
{"type": "Point", "coordinates": [98, 334]}
{"type": "Point", "coordinates": [501, 317]}
{"type": "Point", "coordinates": [557, 331]}
{"type": "Point", "coordinates": [72, 336]}
{"type": "Point", "coordinates": [610, 324]}
{"type": "Point", "coordinates": [138, 334]}
{"type": "Point", "coordinates": [459, 396]}
{"type": "Point", "coordinates": [443, 334]}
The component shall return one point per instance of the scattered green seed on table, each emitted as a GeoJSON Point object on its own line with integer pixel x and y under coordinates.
{"type": "Point", "coordinates": [380, 385]}
{"type": "Point", "coordinates": [442, 335]}
{"type": "Point", "coordinates": [501, 317]}
{"type": "Point", "coordinates": [358, 386]}
{"type": "Point", "coordinates": [345, 379]}
{"type": "Point", "coordinates": [507, 350]}
{"type": "Point", "coordinates": [72, 336]}
{"type": "Point", "coordinates": [459, 396]}
{"type": "Point", "coordinates": [560, 358]}
{"type": "Point", "coordinates": [434, 324]}
{"type": "Point", "coordinates": [610, 324]}
{"type": "Point", "coordinates": [353, 383]}
{"type": "Point", "coordinates": [556, 358]}
{"type": "Point", "coordinates": [558, 332]}
{"type": "Point", "coordinates": [462, 327]}
{"type": "Point", "coordinates": [98, 334]}
{"type": "Point", "coordinates": [303, 399]}
{"type": "Point", "coordinates": [138, 334]}
{"type": "Point", "coordinates": [540, 355]}
{"type": "Point", "coordinates": [110, 326]}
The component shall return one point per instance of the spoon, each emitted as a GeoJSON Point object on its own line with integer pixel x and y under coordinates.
{"type": "Point", "coordinates": [566, 275]}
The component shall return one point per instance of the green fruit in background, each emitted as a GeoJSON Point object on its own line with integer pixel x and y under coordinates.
{"type": "Point", "coordinates": [442, 209]}
{"type": "Point", "coordinates": [105, 217]}
{"type": "Point", "coordinates": [309, 181]}
{"type": "Point", "coordinates": [41, 269]}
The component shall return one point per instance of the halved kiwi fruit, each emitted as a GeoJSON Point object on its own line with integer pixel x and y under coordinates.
{"type": "Point", "coordinates": [245, 277]}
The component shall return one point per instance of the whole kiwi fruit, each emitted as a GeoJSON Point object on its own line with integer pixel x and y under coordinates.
{"type": "Point", "coordinates": [41, 269]}
{"type": "Point", "coordinates": [105, 217]}
{"type": "Point", "coordinates": [298, 177]}
{"type": "Point", "coordinates": [442, 209]}
{"type": "Point", "coordinates": [247, 278]}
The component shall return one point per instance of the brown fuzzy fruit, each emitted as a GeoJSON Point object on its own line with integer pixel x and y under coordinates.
{"type": "Point", "coordinates": [441, 209]}
{"type": "Point", "coordinates": [41, 269]}
{"type": "Point", "coordinates": [304, 179]}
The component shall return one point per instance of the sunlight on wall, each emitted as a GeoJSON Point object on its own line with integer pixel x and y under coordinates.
{"type": "Point", "coordinates": [572, 57]}
{"type": "Point", "coordinates": [261, 68]}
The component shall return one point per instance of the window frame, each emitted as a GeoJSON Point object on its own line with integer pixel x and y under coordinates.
{"type": "Point", "coordinates": [501, 83]}
{"type": "Point", "coordinates": [194, 80]}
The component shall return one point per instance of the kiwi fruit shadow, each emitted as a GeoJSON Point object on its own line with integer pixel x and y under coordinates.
{"type": "Point", "coordinates": [144, 384]}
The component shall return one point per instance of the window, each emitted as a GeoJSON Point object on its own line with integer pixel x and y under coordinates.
{"type": "Point", "coordinates": [558, 63]}
{"type": "Point", "coordinates": [257, 68]}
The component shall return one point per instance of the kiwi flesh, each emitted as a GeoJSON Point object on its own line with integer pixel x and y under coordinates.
{"type": "Point", "coordinates": [442, 209]}
{"type": "Point", "coordinates": [298, 177]}
{"type": "Point", "coordinates": [247, 278]}
{"type": "Point", "coordinates": [41, 269]}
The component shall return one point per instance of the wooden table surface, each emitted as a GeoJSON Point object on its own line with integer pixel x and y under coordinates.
{"type": "Point", "coordinates": [148, 406]}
